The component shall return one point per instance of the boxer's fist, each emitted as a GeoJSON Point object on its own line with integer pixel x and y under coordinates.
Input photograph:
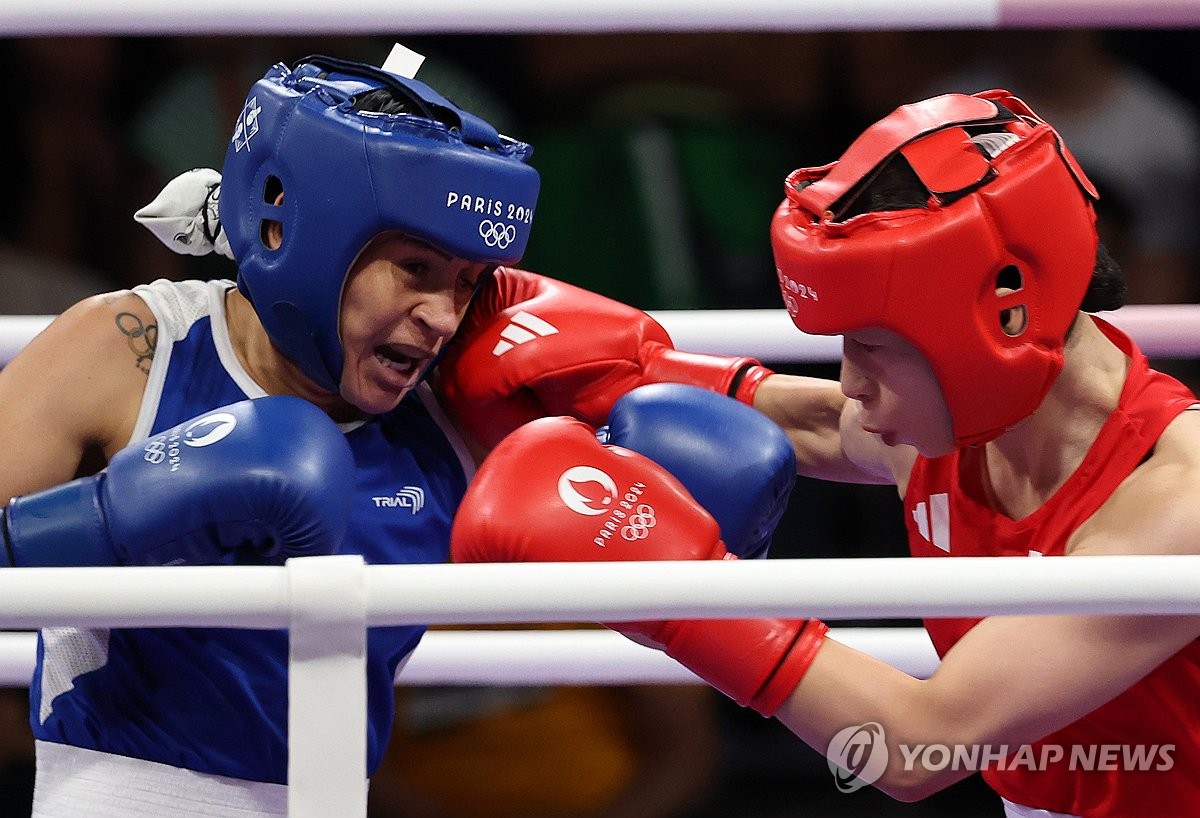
{"type": "Point", "coordinates": [273, 475]}
{"type": "Point", "coordinates": [551, 492]}
{"type": "Point", "coordinates": [533, 347]}
{"type": "Point", "coordinates": [732, 459]}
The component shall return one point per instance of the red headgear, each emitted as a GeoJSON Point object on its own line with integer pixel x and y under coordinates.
{"type": "Point", "coordinates": [1004, 195]}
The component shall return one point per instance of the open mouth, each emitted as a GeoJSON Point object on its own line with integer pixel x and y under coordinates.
{"type": "Point", "coordinates": [396, 360]}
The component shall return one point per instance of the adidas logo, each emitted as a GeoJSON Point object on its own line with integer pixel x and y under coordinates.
{"type": "Point", "coordinates": [933, 520]}
{"type": "Point", "coordinates": [522, 328]}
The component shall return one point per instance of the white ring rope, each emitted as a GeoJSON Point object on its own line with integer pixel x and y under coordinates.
{"type": "Point", "coordinates": [519, 658]}
{"type": "Point", "coordinates": [1162, 330]}
{"type": "Point", "coordinates": [261, 597]}
{"type": "Point", "coordinates": [44, 17]}
{"type": "Point", "coordinates": [485, 594]}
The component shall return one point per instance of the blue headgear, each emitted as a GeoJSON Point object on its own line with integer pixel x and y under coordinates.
{"type": "Point", "coordinates": [442, 175]}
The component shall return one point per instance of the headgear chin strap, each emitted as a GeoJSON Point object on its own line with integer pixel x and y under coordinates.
{"type": "Point", "coordinates": [1008, 206]}
{"type": "Point", "coordinates": [442, 175]}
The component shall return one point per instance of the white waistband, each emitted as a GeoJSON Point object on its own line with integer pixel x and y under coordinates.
{"type": "Point", "coordinates": [1012, 810]}
{"type": "Point", "coordinates": [77, 783]}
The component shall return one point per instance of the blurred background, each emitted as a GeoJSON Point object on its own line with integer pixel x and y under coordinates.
{"type": "Point", "coordinates": [663, 156]}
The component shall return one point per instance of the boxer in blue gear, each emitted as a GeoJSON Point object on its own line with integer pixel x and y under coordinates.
{"type": "Point", "coordinates": [362, 209]}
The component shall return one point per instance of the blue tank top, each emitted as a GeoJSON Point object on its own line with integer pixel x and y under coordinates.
{"type": "Point", "coordinates": [215, 700]}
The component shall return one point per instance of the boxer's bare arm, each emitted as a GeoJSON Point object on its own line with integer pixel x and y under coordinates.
{"type": "Point", "coordinates": [829, 442]}
{"type": "Point", "coordinates": [71, 396]}
{"type": "Point", "coordinates": [1014, 679]}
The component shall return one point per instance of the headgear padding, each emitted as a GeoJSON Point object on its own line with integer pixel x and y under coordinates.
{"type": "Point", "coordinates": [1004, 196]}
{"type": "Point", "coordinates": [441, 175]}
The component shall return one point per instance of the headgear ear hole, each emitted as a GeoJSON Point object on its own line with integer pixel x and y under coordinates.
{"type": "Point", "coordinates": [1014, 320]}
{"type": "Point", "coordinates": [1009, 279]}
{"type": "Point", "coordinates": [272, 190]}
{"type": "Point", "coordinates": [271, 233]}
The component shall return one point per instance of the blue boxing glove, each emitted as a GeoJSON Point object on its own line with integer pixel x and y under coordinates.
{"type": "Point", "coordinates": [733, 460]}
{"type": "Point", "coordinates": [274, 475]}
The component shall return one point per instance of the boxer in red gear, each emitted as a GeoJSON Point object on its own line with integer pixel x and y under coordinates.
{"type": "Point", "coordinates": [954, 248]}
{"type": "Point", "coordinates": [533, 347]}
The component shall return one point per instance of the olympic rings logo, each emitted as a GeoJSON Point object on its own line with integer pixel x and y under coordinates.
{"type": "Point", "coordinates": [497, 234]}
{"type": "Point", "coordinates": [640, 523]}
{"type": "Point", "coordinates": [155, 451]}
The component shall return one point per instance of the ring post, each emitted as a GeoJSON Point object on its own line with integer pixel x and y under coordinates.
{"type": "Point", "coordinates": [327, 689]}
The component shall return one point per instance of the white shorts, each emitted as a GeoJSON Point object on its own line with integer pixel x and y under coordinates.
{"type": "Point", "coordinates": [76, 783]}
{"type": "Point", "coordinates": [1012, 810]}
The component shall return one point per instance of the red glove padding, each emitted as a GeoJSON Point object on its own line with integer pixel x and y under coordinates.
{"type": "Point", "coordinates": [550, 492]}
{"type": "Point", "coordinates": [532, 347]}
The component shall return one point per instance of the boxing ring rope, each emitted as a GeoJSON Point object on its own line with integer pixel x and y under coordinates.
{"type": "Point", "coordinates": [520, 658]}
{"type": "Point", "coordinates": [55, 17]}
{"type": "Point", "coordinates": [1161, 330]}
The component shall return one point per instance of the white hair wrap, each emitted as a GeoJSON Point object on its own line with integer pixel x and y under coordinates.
{"type": "Point", "coordinates": [186, 215]}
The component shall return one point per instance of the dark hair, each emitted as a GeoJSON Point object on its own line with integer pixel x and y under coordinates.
{"type": "Point", "coordinates": [390, 101]}
{"type": "Point", "coordinates": [893, 186]}
{"type": "Point", "coordinates": [1106, 290]}
{"type": "Point", "coordinates": [896, 186]}
{"type": "Point", "coordinates": [383, 101]}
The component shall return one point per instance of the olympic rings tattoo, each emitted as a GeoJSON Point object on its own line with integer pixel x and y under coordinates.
{"type": "Point", "coordinates": [142, 338]}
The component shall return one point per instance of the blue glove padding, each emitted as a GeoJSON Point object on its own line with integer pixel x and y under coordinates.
{"type": "Point", "coordinates": [274, 475]}
{"type": "Point", "coordinates": [733, 459]}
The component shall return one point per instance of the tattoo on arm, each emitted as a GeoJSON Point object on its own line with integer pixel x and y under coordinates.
{"type": "Point", "coordinates": [142, 338]}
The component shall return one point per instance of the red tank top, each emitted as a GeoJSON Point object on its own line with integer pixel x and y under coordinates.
{"type": "Point", "coordinates": [947, 517]}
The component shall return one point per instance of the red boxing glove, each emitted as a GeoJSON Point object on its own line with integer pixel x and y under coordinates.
{"type": "Point", "coordinates": [533, 347]}
{"type": "Point", "coordinates": [550, 492]}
